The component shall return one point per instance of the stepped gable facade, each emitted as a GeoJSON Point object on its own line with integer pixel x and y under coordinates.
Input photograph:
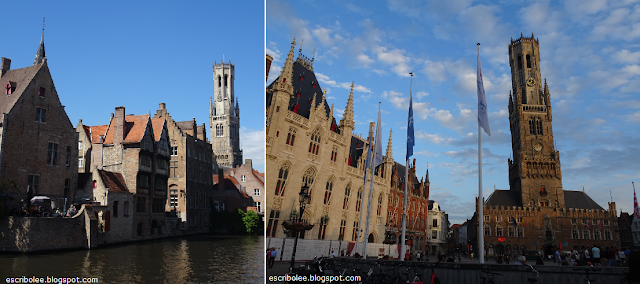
{"type": "Point", "coordinates": [536, 212]}
{"type": "Point", "coordinates": [37, 140]}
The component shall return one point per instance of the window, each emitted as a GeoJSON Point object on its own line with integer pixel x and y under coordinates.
{"type": "Point", "coordinates": [327, 192]}
{"type": "Point", "coordinates": [487, 218]}
{"type": "Point", "coordinates": [520, 231]}
{"type": "Point", "coordinates": [258, 206]}
{"type": "Point", "coordinates": [256, 192]}
{"type": "Point", "coordinates": [161, 184]}
{"type": "Point", "coordinates": [243, 178]}
{"type": "Point", "coordinates": [544, 203]}
{"type": "Point", "coordinates": [80, 146]}
{"type": "Point", "coordinates": [585, 221]}
{"type": "Point", "coordinates": [174, 150]}
{"type": "Point", "coordinates": [52, 154]}
{"type": "Point", "coordinates": [291, 137]}
{"type": "Point", "coordinates": [575, 234]}
{"type": "Point", "coordinates": [115, 209]}
{"type": "Point", "coordinates": [40, 115]}
{"type": "Point", "coordinates": [334, 154]}
{"type": "Point", "coordinates": [163, 164]}
{"type": "Point", "coordinates": [354, 234]}
{"type": "Point", "coordinates": [574, 221]}
{"type": "Point", "coordinates": [487, 230]}
{"type": "Point", "coordinates": [606, 222]}
{"type": "Point", "coordinates": [499, 230]}
{"type": "Point", "coordinates": [435, 223]}
{"type": "Point", "coordinates": [308, 179]}
{"type": "Point", "coordinates": [158, 205]}
{"type": "Point", "coordinates": [68, 157]}
{"type": "Point", "coordinates": [143, 181]}
{"type": "Point", "coordinates": [41, 92]}
{"type": "Point", "coordinates": [379, 210]}
{"type": "Point", "coordinates": [140, 205]}
{"type": "Point", "coordinates": [314, 145]}
{"type": "Point", "coordinates": [358, 200]}
{"type": "Point", "coordinates": [535, 126]}
{"type": "Point", "coordinates": [596, 234]}
{"type": "Point", "coordinates": [434, 234]}
{"type": "Point", "coordinates": [32, 183]}
{"type": "Point", "coordinates": [498, 218]}
{"type": "Point", "coordinates": [173, 198]}
{"type": "Point", "coordinates": [594, 222]}
{"type": "Point", "coordinates": [343, 227]}
{"type": "Point", "coordinates": [145, 160]}
{"type": "Point", "coordinates": [272, 224]}
{"type": "Point", "coordinates": [282, 180]}
{"type": "Point", "coordinates": [528, 61]}
{"type": "Point", "coordinates": [81, 162]}
{"type": "Point", "coordinates": [511, 231]}
{"type": "Point", "coordinates": [607, 235]}
{"type": "Point", "coordinates": [126, 209]}
{"type": "Point", "coordinates": [585, 234]}
{"type": "Point", "coordinates": [347, 193]}
{"type": "Point", "coordinates": [95, 184]}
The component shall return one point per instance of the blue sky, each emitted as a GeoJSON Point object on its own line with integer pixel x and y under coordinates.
{"type": "Point", "coordinates": [138, 54]}
{"type": "Point", "coordinates": [590, 56]}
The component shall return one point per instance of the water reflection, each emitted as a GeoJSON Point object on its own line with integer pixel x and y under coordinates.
{"type": "Point", "coordinates": [194, 259]}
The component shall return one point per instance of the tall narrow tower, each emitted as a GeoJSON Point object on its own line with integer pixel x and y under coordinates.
{"type": "Point", "coordinates": [224, 118]}
{"type": "Point", "coordinates": [534, 171]}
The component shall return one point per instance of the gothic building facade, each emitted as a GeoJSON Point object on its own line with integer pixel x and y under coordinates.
{"type": "Point", "coordinates": [536, 212]}
{"type": "Point", "coordinates": [224, 118]}
{"type": "Point", "coordinates": [307, 146]}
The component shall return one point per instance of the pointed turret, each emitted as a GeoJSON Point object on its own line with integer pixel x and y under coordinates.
{"type": "Point", "coordinates": [389, 153]}
{"type": "Point", "coordinates": [347, 118]}
{"type": "Point", "coordinates": [212, 108]}
{"type": "Point", "coordinates": [510, 103]}
{"type": "Point", "coordinates": [40, 56]}
{"type": "Point", "coordinates": [237, 109]}
{"type": "Point", "coordinates": [287, 71]}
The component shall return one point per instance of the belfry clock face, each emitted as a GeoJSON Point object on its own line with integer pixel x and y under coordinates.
{"type": "Point", "coordinates": [537, 147]}
{"type": "Point", "coordinates": [531, 82]}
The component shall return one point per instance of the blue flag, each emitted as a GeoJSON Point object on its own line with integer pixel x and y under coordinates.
{"type": "Point", "coordinates": [410, 138]}
{"type": "Point", "coordinates": [366, 165]}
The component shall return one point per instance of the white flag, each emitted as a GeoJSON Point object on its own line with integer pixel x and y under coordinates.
{"type": "Point", "coordinates": [483, 119]}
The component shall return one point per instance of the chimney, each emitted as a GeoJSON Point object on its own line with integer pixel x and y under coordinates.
{"type": "Point", "coordinates": [5, 65]}
{"type": "Point", "coordinates": [195, 129]}
{"type": "Point", "coordinates": [220, 179]}
{"type": "Point", "coordinates": [162, 106]}
{"type": "Point", "coordinates": [118, 125]}
{"type": "Point", "coordinates": [248, 163]}
{"type": "Point", "coordinates": [204, 132]}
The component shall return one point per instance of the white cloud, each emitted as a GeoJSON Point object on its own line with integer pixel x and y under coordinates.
{"type": "Point", "coordinates": [634, 117]}
{"type": "Point", "coordinates": [625, 56]}
{"type": "Point", "coordinates": [345, 85]}
{"type": "Point", "coordinates": [395, 58]}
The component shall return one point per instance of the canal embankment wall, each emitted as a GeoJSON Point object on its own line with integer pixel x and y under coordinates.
{"type": "Point", "coordinates": [308, 249]}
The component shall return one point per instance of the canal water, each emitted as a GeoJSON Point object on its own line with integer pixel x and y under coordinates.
{"type": "Point", "coordinates": [192, 259]}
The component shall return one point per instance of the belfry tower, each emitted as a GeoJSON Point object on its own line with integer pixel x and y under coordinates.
{"type": "Point", "coordinates": [534, 171]}
{"type": "Point", "coordinates": [224, 118]}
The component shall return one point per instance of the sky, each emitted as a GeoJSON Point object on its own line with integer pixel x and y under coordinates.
{"type": "Point", "coordinates": [590, 57]}
{"type": "Point", "coordinates": [138, 54]}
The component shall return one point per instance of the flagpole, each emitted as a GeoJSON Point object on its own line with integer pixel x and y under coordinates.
{"type": "Point", "coordinates": [480, 202]}
{"type": "Point", "coordinates": [403, 246]}
{"type": "Point", "coordinates": [373, 162]}
{"type": "Point", "coordinates": [364, 188]}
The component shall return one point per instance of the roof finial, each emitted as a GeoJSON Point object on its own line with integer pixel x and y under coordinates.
{"type": "Point", "coordinates": [40, 55]}
{"type": "Point", "coordinates": [300, 50]}
{"type": "Point", "coordinates": [43, 25]}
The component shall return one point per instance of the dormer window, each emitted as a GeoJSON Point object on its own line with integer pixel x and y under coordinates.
{"type": "Point", "coordinates": [8, 89]}
{"type": "Point", "coordinates": [41, 92]}
{"type": "Point", "coordinates": [301, 77]}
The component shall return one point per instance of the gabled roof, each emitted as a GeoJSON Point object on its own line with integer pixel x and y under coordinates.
{"type": "Point", "coordinates": [96, 132]}
{"type": "Point", "coordinates": [135, 127]}
{"type": "Point", "coordinates": [579, 200]}
{"type": "Point", "coordinates": [157, 125]}
{"type": "Point", "coordinates": [20, 78]}
{"type": "Point", "coordinates": [259, 176]}
{"type": "Point", "coordinates": [113, 181]}
{"type": "Point", "coordinates": [87, 131]}
{"type": "Point", "coordinates": [185, 125]}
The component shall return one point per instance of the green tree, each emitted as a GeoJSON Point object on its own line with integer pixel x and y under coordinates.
{"type": "Point", "coordinates": [250, 220]}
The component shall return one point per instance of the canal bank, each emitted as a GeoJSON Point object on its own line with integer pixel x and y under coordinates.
{"type": "Point", "coordinates": [198, 258]}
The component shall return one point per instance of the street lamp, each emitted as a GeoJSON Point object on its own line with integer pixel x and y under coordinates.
{"type": "Point", "coordinates": [303, 197]}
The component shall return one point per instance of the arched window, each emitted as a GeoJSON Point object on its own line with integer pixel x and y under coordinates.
{"type": "Point", "coordinates": [347, 193]}
{"type": "Point", "coordinates": [487, 230]}
{"type": "Point", "coordinates": [575, 234]}
{"type": "Point", "coordinates": [379, 211]}
{"type": "Point", "coordinates": [520, 231]}
{"type": "Point", "coordinates": [499, 230]}
{"type": "Point", "coordinates": [539, 126]}
{"type": "Point", "coordinates": [585, 234]}
{"type": "Point", "coordinates": [327, 192]}
{"type": "Point", "coordinates": [314, 145]}
{"type": "Point", "coordinates": [307, 179]}
{"type": "Point", "coordinates": [528, 61]}
{"type": "Point", "coordinates": [511, 231]}
{"type": "Point", "coordinates": [291, 137]}
{"type": "Point", "coordinates": [519, 62]}
{"type": "Point", "coordinates": [282, 180]}
{"type": "Point", "coordinates": [359, 200]}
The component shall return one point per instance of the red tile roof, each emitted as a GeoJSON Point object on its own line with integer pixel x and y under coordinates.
{"type": "Point", "coordinates": [113, 181]}
{"type": "Point", "coordinates": [96, 131]}
{"type": "Point", "coordinates": [134, 129]}
{"type": "Point", "coordinates": [158, 126]}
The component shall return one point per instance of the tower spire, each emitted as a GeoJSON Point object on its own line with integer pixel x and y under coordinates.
{"type": "Point", "coordinates": [40, 55]}
{"type": "Point", "coordinates": [389, 152]}
{"type": "Point", "coordinates": [347, 118]}
{"type": "Point", "coordinates": [287, 71]}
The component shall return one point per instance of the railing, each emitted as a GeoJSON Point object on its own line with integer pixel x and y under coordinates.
{"type": "Point", "coordinates": [533, 108]}
{"type": "Point", "coordinates": [297, 119]}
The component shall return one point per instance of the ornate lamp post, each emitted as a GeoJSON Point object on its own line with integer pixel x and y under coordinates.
{"type": "Point", "coordinates": [304, 197]}
{"type": "Point", "coordinates": [390, 236]}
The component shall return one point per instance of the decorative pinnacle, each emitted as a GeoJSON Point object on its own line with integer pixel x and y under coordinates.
{"type": "Point", "coordinates": [43, 25]}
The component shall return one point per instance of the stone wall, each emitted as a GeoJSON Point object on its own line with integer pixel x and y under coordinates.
{"type": "Point", "coordinates": [44, 233]}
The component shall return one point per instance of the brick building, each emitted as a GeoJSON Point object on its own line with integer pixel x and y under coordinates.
{"type": "Point", "coordinates": [536, 212]}
{"type": "Point", "coordinates": [138, 148]}
{"type": "Point", "coordinates": [226, 195]}
{"type": "Point", "coordinates": [190, 171]}
{"type": "Point", "coordinates": [37, 140]}
{"type": "Point", "coordinates": [251, 182]}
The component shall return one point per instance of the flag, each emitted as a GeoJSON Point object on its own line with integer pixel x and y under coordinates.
{"type": "Point", "coordinates": [377, 160]}
{"type": "Point", "coordinates": [410, 140]}
{"type": "Point", "coordinates": [366, 165]}
{"type": "Point", "coordinates": [513, 219]}
{"type": "Point", "coordinates": [483, 119]}
{"type": "Point", "coordinates": [522, 223]}
{"type": "Point", "coordinates": [635, 204]}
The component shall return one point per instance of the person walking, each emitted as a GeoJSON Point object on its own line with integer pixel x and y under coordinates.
{"type": "Point", "coordinates": [557, 257]}
{"type": "Point", "coordinates": [272, 259]}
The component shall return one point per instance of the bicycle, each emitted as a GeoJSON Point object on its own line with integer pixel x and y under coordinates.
{"type": "Point", "coordinates": [535, 275]}
{"type": "Point", "coordinates": [490, 274]}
